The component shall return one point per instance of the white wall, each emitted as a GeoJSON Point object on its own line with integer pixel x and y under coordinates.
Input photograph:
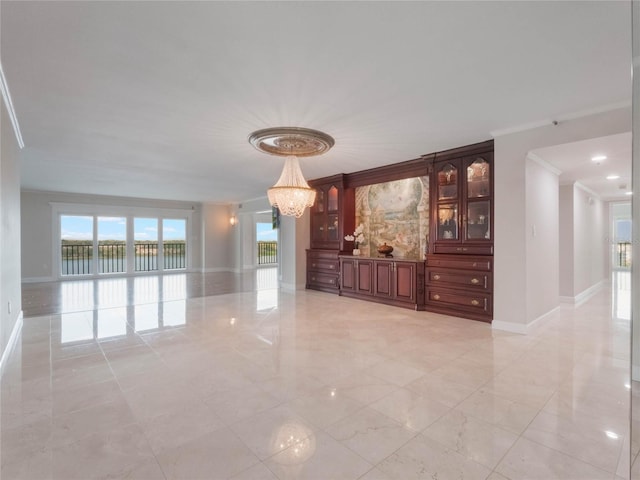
{"type": "Point", "coordinates": [38, 229]}
{"type": "Point", "coordinates": [566, 242]}
{"type": "Point", "coordinates": [512, 241]}
{"type": "Point", "coordinates": [584, 234]}
{"type": "Point", "coordinates": [542, 264]}
{"type": "Point", "coordinates": [10, 289]}
{"type": "Point", "coordinates": [217, 235]}
{"type": "Point", "coordinates": [589, 236]}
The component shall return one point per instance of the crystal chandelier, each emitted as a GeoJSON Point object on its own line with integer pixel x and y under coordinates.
{"type": "Point", "coordinates": [291, 193]}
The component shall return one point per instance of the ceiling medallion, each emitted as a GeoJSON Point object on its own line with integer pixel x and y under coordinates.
{"type": "Point", "coordinates": [283, 141]}
{"type": "Point", "coordinates": [291, 194]}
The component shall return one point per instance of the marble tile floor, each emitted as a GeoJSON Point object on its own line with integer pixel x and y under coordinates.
{"type": "Point", "coordinates": [265, 384]}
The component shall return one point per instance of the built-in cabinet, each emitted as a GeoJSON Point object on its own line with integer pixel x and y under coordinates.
{"type": "Point", "coordinates": [459, 279]}
{"type": "Point", "coordinates": [460, 285]}
{"type": "Point", "coordinates": [385, 280]}
{"type": "Point", "coordinates": [454, 277]}
{"type": "Point", "coordinates": [462, 202]}
{"type": "Point", "coordinates": [332, 217]}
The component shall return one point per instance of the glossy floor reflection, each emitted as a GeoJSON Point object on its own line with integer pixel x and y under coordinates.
{"type": "Point", "coordinates": [265, 384]}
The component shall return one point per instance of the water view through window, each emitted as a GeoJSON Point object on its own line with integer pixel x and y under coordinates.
{"type": "Point", "coordinates": [155, 244]}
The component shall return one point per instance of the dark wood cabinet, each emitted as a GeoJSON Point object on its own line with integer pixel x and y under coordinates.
{"type": "Point", "coordinates": [459, 266]}
{"type": "Point", "coordinates": [460, 285]}
{"type": "Point", "coordinates": [383, 280]}
{"type": "Point", "coordinates": [322, 270]}
{"type": "Point", "coordinates": [455, 277]}
{"type": "Point", "coordinates": [332, 217]}
{"type": "Point", "coordinates": [333, 213]}
{"type": "Point", "coordinates": [462, 204]}
{"type": "Point", "coordinates": [356, 275]}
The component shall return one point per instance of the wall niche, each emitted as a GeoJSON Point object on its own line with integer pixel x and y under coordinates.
{"type": "Point", "coordinates": [395, 213]}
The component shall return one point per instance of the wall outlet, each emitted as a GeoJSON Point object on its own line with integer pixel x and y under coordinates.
{"type": "Point", "coordinates": [9, 308]}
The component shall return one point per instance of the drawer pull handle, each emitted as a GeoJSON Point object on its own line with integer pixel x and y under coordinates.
{"type": "Point", "coordinates": [313, 264]}
{"type": "Point", "coordinates": [475, 302]}
{"type": "Point", "coordinates": [459, 249]}
{"type": "Point", "coordinates": [332, 282]}
{"type": "Point", "coordinates": [436, 277]}
{"type": "Point", "coordinates": [332, 267]}
{"type": "Point", "coordinates": [436, 297]}
{"type": "Point", "coordinates": [475, 281]}
{"type": "Point", "coordinates": [313, 278]}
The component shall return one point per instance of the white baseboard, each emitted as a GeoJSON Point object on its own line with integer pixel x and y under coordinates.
{"type": "Point", "coordinates": [217, 270]}
{"type": "Point", "coordinates": [511, 327]}
{"type": "Point", "coordinates": [521, 328]}
{"type": "Point", "coordinates": [11, 344]}
{"type": "Point", "coordinates": [635, 373]}
{"type": "Point", "coordinates": [38, 279]}
{"type": "Point", "coordinates": [584, 295]}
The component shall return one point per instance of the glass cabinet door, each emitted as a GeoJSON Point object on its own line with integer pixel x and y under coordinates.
{"type": "Point", "coordinates": [332, 228]}
{"type": "Point", "coordinates": [478, 220]}
{"type": "Point", "coordinates": [332, 200]}
{"type": "Point", "coordinates": [478, 185]}
{"type": "Point", "coordinates": [448, 182]}
{"type": "Point", "coordinates": [319, 200]}
{"type": "Point", "coordinates": [448, 222]}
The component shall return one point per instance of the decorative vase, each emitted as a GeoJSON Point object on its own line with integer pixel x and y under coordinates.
{"type": "Point", "coordinates": [356, 252]}
{"type": "Point", "coordinates": [385, 250]}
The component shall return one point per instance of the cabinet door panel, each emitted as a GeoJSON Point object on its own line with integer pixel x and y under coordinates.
{"type": "Point", "coordinates": [347, 274]}
{"type": "Point", "coordinates": [405, 274]}
{"type": "Point", "coordinates": [364, 269]}
{"type": "Point", "coordinates": [448, 222]}
{"type": "Point", "coordinates": [478, 220]}
{"type": "Point", "coordinates": [332, 228]}
{"type": "Point", "coordinates": [447, 179]}
{"type": "Point", "coordinates": [383, 279]}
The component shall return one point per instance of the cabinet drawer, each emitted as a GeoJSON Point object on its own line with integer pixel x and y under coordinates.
{"type": "Point", "coordinates": [323, 264]}
{"type": "Point", "coordinates": [459, 278]}
{"type": "Point", "coordinates": [460, 299]}
{"type": "Point", "coordinates": [318, 279]}
{"type": "Point", "coordinates": [460, 262]}
{"type": "Point", "coordinates": [466, 250]}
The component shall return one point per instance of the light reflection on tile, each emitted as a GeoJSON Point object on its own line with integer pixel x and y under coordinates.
{"type": "Point", "coordinates": [224, 376]}
{"type": "Point", "coordinates": [75, 327]}
{"type": "Point", "coordinates": [146, 317]}
{"type": "Point", "coordinates": [174, 313]}
{"type": "Point", "coordinates": [112, 322]}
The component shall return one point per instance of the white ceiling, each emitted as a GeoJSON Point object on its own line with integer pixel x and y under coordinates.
{"type": "Point", "coordinates": [156, 99]}
{"type": "Point", "coordinates": [574, 160]}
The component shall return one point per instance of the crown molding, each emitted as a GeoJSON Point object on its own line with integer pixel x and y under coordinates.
{"type": "Point", "coordinates": [543, 163]}
{"type": "Point", "coordinates": [587, 189]}
{"type": "Point", "coordinates": [560, 118]}
{"type": "Point", "coordinates": [4, 87]}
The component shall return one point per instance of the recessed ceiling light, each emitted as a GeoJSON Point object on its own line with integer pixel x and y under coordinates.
{"type": "Point", "coordinates": [613, 177]}
{"type": "Point", "coordinates": [628, 193]}
{"type": "Point", "coordinates": [598, 158]}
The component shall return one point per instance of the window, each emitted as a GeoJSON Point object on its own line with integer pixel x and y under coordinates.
{"type": "Point", "coordinates": [112, 244]}
{"type": "Point", "coordinates": [145, 239]}
{"type": "Point", "coordinates": [76, 243]}
{"type": "Point", "coordinates": [174, 239]}
{"type": "Point", "coordinates": [100, 240]}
